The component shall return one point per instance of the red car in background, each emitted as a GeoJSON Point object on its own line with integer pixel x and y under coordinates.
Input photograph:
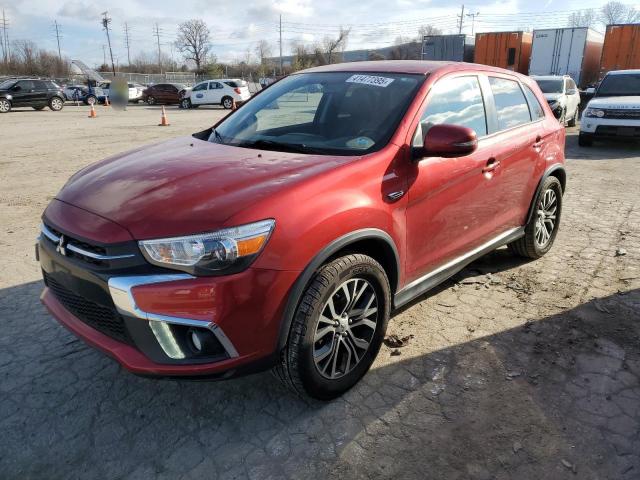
{"type": "Point", "coordinates": [285, 236]}
{"type": "Point", "coordinates": [164, 93]}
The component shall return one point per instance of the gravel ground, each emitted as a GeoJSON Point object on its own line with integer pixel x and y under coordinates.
{"type": "Point", "coordinates": [516, 370]}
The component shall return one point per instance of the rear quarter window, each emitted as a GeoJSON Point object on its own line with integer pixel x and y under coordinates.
{"type": "Point", "coordinates": [535, 108]}
{"type": "Point", "coordinates": [512, 108]}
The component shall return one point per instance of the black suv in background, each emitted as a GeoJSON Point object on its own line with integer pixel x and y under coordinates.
{"type": "Point", "coordinates": [27, 92]}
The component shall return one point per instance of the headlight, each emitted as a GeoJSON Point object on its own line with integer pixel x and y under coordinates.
{"type": "Point", "coordinates": [224, 251]}
{"type": "Point", "coordinates": [591, 112]}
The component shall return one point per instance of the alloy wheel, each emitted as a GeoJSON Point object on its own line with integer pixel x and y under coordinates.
{"type": "Point", "coordinates": [56, 104]}
{"type": "Point", "coordinates": [228, 103]}
{"type": "Point", "coordinates": [5, 106]}
{"type": "Point", "coordinates": [345, 329]}
{"type": "Point", "coordinates": [546, 221]}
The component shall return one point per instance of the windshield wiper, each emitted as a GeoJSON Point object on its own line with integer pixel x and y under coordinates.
{"type": "Point", "coordinates": [278, 146]}
{"type": "Point", "coordinates": [219, 138]}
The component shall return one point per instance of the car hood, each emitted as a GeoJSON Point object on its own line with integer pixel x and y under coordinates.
{"type": "Point", "coordinates": [185, 185]}
{"type": "Point", "coordinates": [631, 102]}
{"type": "Point", "coordinates": [552, 96]}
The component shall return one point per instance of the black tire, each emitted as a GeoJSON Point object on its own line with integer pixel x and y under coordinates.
{"type": "Point", "coordinates": [585, 140]}
{"type": "Point", "coordinates": [5, 105]}
{"type": "Point", "coordinates": [185, 103]}
{"type": "Point", "coordinates": [39, 107]}
{"type": "Point", "coordinates": [91, 100]}
{"type": "Point", "coordinates": [528, 246]}
{"type": "Point", "coordinates": [574, 120]}
{"type": "Point", "coordinates": [297, 369]}
{"type": "Point", "coordinates": [227, 103]}
{"type": "Point", "coordinates": [56, 104]}
{"type": "Point", "coordinates": [151, 100]}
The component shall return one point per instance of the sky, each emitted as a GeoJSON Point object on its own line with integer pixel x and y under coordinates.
{"type": "Point", "coordinates": [236, 26]}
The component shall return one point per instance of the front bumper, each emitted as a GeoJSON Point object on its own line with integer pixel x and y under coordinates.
{"type": "Point", "coordinates": [142, 315]}
{"type": "Point", "coordinates": [603, 127]}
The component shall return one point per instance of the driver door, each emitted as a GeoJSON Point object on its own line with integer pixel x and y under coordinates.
{"type": "Point", "coordinates": [452, 201]}
{"type": "Point", "coordinates": [214, 94]}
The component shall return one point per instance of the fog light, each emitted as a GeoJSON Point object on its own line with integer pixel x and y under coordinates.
{"type": "Point", "coordinates": [202, 341]}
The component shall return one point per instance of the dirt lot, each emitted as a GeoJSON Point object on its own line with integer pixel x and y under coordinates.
{"type": "Point", "coordinates": [516, 370]}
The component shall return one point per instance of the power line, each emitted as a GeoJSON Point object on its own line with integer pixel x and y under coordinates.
{"type": "Point", "coordinates": [156, 33]}
{"type": "Point", "coordinates": [473, 20]}
{"type": "Point", "coordinates": [461, 18]}
{"type": "Point", "coordinates": [5, 36]}
{"type": "Point", "coordinates": [105, 23]}
{"type": "Point", "coordinates": [55, 24]}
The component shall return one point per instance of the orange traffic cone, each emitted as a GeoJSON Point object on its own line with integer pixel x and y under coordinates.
{"type": "Point", "coordinates": [164, 121]}
{"type": "Point", "coordinates": [233, 105]}
{"type": "Point", "coordinates": [92, 112]}
{"type": "Point", "coordinates": [106, 102]}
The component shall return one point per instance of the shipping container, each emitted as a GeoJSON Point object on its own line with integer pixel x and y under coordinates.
{"type": "Point", "coordinates": [510, 50]}
{"type": "Point", "coordinates": [567, 51]}
{"type": "Point", "coordinates": [456, 48]}
{"type": "Point", "coordinates": [621, 48]}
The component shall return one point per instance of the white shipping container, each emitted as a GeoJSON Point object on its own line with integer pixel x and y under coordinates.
{"type": "Point", "coordinates": [567, 51]}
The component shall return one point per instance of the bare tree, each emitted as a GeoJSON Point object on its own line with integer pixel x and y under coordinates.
{"type": "Point", "coordinates": [302, 57]}
{"type": "Point", "coordinates": [333, 47]}
{"type": "Point", "coordinates": [428, 30]}
{"type": "Point", "coordinates": [375, 56]}
{"type": "Point", "coordinates": [616, 12]}
{"type": "Point", "coordinates": [406, 49]}
{"type": "Point", "coordinates": [583, 18]}
{"type": "Point", "coordinates": [263, 52]}
{"type": "Point", "coordinates": [194, 41]}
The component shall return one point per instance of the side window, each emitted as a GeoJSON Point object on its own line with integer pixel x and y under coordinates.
{"type": "Point", "coordinates": [571, 85]}
{"type": "Point", "coordinates": [456, 101]}
{"type": "Point", "coordinates": [25, 85]}
{"type": "Point", "coordinates": [202, 86]}
{"type": "Point", "coordinates": [214, 85]}
{"type": "Point", "coordinates": [534, 105]}
{"type": "Point", "coordinates": [511, 106]}
{"type": "Point", "coordinates": [39, 85]}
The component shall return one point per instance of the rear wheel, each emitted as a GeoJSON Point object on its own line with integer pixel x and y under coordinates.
{"type": "Point", "coordinates": [541, 231]}
{"type": "Point", "coordinates": [227, 103]}
{"type": "Point", "coordinates": [56, 104]}
{"type": "Point", "coordinates": [5, 105]}
{"type": "Point", "coordinates": [91, 100]}
{"type": "Point", "coordinates": [337, 329]}
{"type": "Point", "coordinates": [151, 100]}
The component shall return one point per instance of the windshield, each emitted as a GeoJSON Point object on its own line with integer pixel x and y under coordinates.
{"type": "Point", "coordinates": [620, 85]}
{"type": "Point", "coordinates": [341, 113]}
{"type": "Point", "coordinates": [550, 86]}
{"type": "Point", "coordinates": [7, 84]}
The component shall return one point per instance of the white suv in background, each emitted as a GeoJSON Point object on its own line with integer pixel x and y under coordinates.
{"type": "Point", "coordinates": [221, 91]}
{"type": "Point", "coordinates": [563, 97]}
{"type": "Point", "coordinates": [614, 110]}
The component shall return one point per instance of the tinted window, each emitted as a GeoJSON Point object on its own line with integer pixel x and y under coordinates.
{"type": "Point", "coordinates": [26, 84]}
{"type": "Point", "coordinates": [457, 101]}
{"type": "Point", "coordinates": [620, 85]}
{"type": "Point", "coordinates": [534, 105]}
{"type": "Point", "coordinates": [39, 85]}
{"type": "Point", "coordinates": [214, 85]}
{"type": "Point", "coordinates": [202, 86]}
{"type": "Point", "coordinates": [511, 106]}
{"type": "Point", "coordinates": [550, 86]}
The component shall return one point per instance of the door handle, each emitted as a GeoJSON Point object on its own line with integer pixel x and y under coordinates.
{"type": "Point", "coordinates": [492, 165]}
{"type": "Point", "coordinates": [538, 142]}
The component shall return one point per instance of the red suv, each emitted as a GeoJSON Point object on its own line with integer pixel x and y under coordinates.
{"type": "Point", "coordinates": [284, 236]}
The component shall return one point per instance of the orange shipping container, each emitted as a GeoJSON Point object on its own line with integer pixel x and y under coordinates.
{"type": "Point", "coordinates": [621, 49]}
{"type": "Point", "coordinates": [510, 50]}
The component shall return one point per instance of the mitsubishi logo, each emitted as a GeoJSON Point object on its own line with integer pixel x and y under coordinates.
{"type": "Point", "coordinates": [60, 248]}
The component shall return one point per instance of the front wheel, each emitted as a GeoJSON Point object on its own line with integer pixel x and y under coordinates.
{"type": "Point", "coordinates": [185, 103]}
{"type": "Point", "coordinates": [337, 329]}
{"type": "Point", "coordinates": [541, 231]}
{"type": "Point", "coordinates": [5, 105]}
{"type": "Point", "coordinates": [56, 104]}
{"type": "Point", "coordinates": [151, 100]}
{"type": "Point", "coordinates": [91, 100]}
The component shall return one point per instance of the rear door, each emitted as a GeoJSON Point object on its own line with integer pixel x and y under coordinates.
{"type": "Point", "coordinates": [452, 202]}
{"type": "Point", "coordinates": [518, 138]}
{"type": "Point", "coordinates": [41, 92]}
{"type": "Point", "coordinates": [215, 92]}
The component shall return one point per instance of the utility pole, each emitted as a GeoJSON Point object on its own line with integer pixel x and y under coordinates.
{"type": "Point", "coordinates": [473, 20]}
{"type": "Point", "coordinates": [105, 23]}
{"type": "Point", "coordinates": [104, 54]}
{"type": "Point", "coordinates": [156, 33]}
{"type": "Point", "coordinates": [55, 24]}
{"type": "Point", "coordinates": [461, 17]}
{"type": "Point", "coordinates": [126, 42]}
{"type": "Point", "coordinates": [280, 31]}
{"type": "Point", "coordinates": [5, 37]}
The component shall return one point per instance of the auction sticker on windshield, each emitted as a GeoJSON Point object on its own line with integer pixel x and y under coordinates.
{"type": "Point", "coordinates": [370, 80]}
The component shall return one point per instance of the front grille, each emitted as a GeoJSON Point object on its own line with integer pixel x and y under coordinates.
{"type": "Point", "coordinates": [614, 131]}
{"type": "Point", "coordinates": [104, 319]}
{"type": "Point", "coordinates": [623, 114]}
{"type": "Point", "coordinates": [82, 245]}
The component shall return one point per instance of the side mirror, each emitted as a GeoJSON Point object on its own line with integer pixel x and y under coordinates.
{"type": "Point", "coordinates": [16, 88]}
{"type": "Point", "coordinates": [448, 141]}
